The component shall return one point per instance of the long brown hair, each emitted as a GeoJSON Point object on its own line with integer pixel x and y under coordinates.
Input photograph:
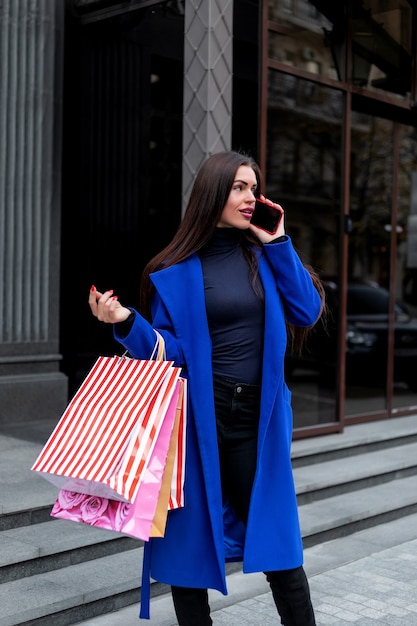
{"type": "Point", "coordinates": [209, 194]}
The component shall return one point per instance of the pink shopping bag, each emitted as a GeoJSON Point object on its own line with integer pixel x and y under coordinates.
{"type": "Point", "coordinates": [146, 515]}
{"type": "Point", "coordinates": [104, 440]}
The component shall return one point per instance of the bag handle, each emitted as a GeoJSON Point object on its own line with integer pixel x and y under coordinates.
{"type": "Point", "coordinates": [159, 352]}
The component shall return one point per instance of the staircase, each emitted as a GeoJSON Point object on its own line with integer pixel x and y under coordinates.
{"type": "Point", "coordinates": [58, 572]}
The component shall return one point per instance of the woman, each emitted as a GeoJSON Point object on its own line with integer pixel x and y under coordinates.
{"type": "Point", "coordinates": [222, 295]}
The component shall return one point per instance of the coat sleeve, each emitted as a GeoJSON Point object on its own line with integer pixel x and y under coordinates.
{"type": "Point", "coordinates": [141, 339]}
{"type": "Point", "coordinates": [301, 299]}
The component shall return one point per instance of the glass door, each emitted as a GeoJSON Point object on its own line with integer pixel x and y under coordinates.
{"type": "Point", "coordinates": [302, 140]}
{"type": "Point", "coordinates": [338, 80]}
{"type": "Point", "coordinates": [303, 173]}
{"type": "Point", "coordinates": [405, 344]}
{"type": "Point", "coordinates": [381, 312]}
{"type": "Point", "coordinates": [369, 263]}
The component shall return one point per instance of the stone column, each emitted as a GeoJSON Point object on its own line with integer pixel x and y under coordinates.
{"type": "Point", "coordinates": [31, 56]}
{"type": "Point", "coordinates": [208, 56]}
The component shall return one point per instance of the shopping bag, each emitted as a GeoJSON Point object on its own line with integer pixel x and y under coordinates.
{"type": "Point", "coordinates": [176, 500]}
{"type": "Point", "coordinates": [163, 503]}
{"type": "Point", "coordinates": [146, 516]}
{"type": "Point", "coordinates": [171, 495]}
{"type": "Point", "coordinates": [103, 442]}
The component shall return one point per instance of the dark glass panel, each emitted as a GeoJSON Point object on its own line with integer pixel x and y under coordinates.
{"type": "Point", "coordinates": [308, 35]}
{"type": "Point", "coordinates": [405, 356]}
{"type": "Point", "coordinates": [303, 174]}
{"type": "Point", "coordinates": [369, 264]}
{"type": "Point", "coordinates": [381, 45]}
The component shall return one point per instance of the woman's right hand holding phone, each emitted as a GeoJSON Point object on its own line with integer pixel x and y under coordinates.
{"type": "Point", "coordinates": [268, 220]}
{"type": "Point", "coordinates": [106, 307]}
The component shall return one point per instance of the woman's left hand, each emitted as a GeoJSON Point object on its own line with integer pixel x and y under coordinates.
{"type": "Point", "coordinates": [262, 235]}
{"type": "Point", "coordinates": [106, 307]}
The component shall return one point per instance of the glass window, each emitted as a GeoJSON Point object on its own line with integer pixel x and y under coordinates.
{"type": "Point", "coordinates": [382, 45]}
{"type": "Point", "coordinates": [304, 37]}
{"type": "Point", "coordinates": [303, 174]}
{"type": "Point", "coordinates": [314, 39]}
{"type": "Point", "coordinates": [405, 355]}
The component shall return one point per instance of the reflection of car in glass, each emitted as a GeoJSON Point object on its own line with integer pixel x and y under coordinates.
{"type": "Point", "coordinates": [366, 338]}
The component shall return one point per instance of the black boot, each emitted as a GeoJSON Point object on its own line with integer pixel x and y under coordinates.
{"type": "Point", "coordinates": [292, 597]}
{"type": "Point", "coordinates": [191, 606]}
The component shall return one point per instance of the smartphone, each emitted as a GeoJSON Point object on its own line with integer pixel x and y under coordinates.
{"type": "Point", "coordinates": [266, 217]}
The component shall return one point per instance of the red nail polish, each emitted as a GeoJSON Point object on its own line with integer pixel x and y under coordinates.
{"type": "Point", "coordinates": [92, 288]}
{"type": "Point", "coordinates": [111, 291]}
{"type": "Point", "coordinates": [115, 297]}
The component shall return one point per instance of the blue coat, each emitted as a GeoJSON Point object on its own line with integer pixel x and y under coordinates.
{"type": "Point", "coordinates": [203, 535]}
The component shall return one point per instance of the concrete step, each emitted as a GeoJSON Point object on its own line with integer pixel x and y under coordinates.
{"type": "Point", "coordinates": [64, 596]}
{"type": "Point", "coordinates": [344, 514]}
{"type": "Point", "coordinates": [77, 592]}
{"type": "Point", "coordinates": [25, 498]}
{"type": "Point", "coordinates": [30, 550]}
{"type": "Point", "coordinates": [351, 473]}
{"type": "Point", "coordinates": [356, 439]}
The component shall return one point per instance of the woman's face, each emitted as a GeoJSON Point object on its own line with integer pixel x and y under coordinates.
{"type": "Point", "coordinates": [240, 204]}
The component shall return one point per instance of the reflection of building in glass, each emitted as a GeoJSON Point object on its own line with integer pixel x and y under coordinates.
{"type": "Point", "coordinates": [297, 38]}
{"type": "Point", "coordinates": [312, 36]}
{"type": "Point", "coordinates": [304, 129]}
{"type": "Point", "coordinates": [382, 36]}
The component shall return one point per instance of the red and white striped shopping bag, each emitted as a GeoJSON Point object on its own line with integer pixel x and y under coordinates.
{"type": "Point", "coordinates": [103, 441]}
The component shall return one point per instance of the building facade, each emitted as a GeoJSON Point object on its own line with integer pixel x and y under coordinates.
{"type": "Point", "coordinates": [107, 110]}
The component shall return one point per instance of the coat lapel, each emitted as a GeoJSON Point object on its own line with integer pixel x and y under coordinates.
{"type": "Point", "coordinates": [181, 287]}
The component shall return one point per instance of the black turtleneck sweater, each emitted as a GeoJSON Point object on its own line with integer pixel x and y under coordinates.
{"type": "Point", "coordinates": [235, 312]}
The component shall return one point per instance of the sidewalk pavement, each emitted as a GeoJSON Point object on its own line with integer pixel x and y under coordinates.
{"type": "Point", "coordinates": [378, 589]}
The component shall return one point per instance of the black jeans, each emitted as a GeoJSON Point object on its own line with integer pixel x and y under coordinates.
{"type": "Point", "coordinates": [237, 417]}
